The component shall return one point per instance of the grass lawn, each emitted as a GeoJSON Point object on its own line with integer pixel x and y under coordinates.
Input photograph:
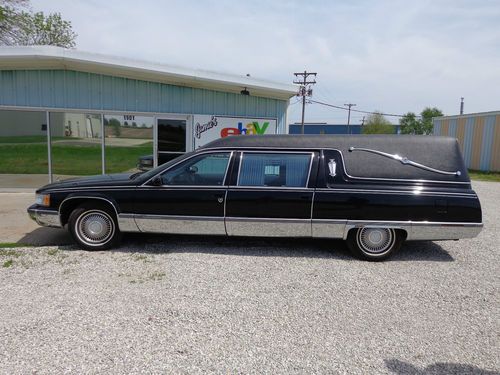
{"type": "Point", "coordinates": [484, 176]}
{"type": "Point", "coordinates": [69, 159]}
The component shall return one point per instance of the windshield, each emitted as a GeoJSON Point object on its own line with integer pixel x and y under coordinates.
{"type": "Point", "coordinates": [147, 175]}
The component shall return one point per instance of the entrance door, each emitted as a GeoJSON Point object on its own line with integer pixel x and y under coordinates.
{"type": "Point", "coordinates": [171, 139]}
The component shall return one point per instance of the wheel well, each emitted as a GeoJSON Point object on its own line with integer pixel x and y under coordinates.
{"type": "Point", "coordinates": [69, 205]}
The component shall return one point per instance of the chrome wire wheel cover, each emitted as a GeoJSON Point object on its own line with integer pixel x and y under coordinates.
{"type": "Point", "coordinates": [95, 227]}
{"type": "Point", "coordinates": [375, 241]}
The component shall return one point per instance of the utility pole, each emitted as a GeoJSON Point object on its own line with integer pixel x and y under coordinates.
{"type": "Point", "coordinates": [363, 121]}
{"type": "Point", "coordinates": [462, 105]}
{"type": "Point", "coordinates": [349, 117]}
{"type": "Point", "coordinates": [304, 90]}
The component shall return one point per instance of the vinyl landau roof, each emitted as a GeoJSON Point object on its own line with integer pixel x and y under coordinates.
{"type": "Point", "coordinates": [440, 153]}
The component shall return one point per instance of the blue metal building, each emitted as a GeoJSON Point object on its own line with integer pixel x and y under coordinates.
{"type": "Point", "coordinates": [323, 128]}
{"type": "Point", "coordinates": [69, 95]}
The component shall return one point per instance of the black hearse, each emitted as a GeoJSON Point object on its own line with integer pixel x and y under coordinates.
{"type": "Point", "coordinates": [373, 191]}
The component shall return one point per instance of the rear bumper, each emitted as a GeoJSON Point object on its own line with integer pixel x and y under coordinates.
{"type": "Point", "coordinates": [44, 217]}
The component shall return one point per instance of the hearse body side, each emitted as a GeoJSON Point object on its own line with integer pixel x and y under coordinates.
{"type": "Point", "coordinates": [382, 201]}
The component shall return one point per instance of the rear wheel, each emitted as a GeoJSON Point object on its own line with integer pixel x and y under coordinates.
{"type": "Point", "coordinates": [374, 243]}
{"type": "Point", "coordinates": [94, 227]}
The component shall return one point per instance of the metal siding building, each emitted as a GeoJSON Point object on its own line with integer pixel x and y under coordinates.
{"type": "Point", "coordinates": [314, 128]}
{"type": "Point", "coordinates": [68, 89]}
{"type": "Point", "coordinates": [478, 135]}
{"type": "Point", "coordinates": [77, 94]}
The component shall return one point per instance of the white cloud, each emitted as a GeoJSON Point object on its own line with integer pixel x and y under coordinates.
{"type": "Point", "coordinates": [394, 56]}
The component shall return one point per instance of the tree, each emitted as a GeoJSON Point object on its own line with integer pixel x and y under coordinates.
{"type": "Point", "coordinates": [116, 126]}
{"type": "Point", "coordinates": [19, 27]}
{"type": "Point", "coordinates": [427, 114]}
{"type": "Point", "coordinates": [377, 124]}
{"type": "Point", "coordinates": [411, 125]}
{"type": "Point", "coordinates": [10, 20]}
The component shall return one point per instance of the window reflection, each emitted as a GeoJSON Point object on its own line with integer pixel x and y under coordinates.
{"type": "Point", "coordinates": [129, 142]}
{"type": "Point", "coordinates": [76, 144]}
{"type": "Point", "coordinates": [23, 142]}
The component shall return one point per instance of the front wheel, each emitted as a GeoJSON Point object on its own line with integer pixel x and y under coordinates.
{"type": "Point", "coordinates": [374, 244]}
{"type": "Point", "coordinates": [94, 227]}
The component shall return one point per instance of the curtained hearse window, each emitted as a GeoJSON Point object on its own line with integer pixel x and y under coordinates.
{"type": "Point", "coordinates": [274, 169]}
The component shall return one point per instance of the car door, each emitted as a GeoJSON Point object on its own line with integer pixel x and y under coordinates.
{"type": "Point", "coordinates": [188, 197]}
{"type": "Point", "coordinates": [272, 194]}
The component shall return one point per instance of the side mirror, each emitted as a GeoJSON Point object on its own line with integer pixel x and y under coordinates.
{"type": "Point", "coordinates": [156, 181]}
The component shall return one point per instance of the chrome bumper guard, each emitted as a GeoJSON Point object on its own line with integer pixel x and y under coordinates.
{"type": "Point", "coordinates": [46, 218]}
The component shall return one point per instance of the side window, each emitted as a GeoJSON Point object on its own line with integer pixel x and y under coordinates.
{"type": "Point", "coordinates": [274, 169]}
{"type": "Point", "coordinates": [203, 170]}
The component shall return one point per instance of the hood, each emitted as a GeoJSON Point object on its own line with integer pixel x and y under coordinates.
{"type": "Point", "coordinates": [118, 179]}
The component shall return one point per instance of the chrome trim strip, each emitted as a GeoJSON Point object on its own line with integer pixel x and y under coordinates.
{"type": "Point", "coordinates": [270, 188]}
{"type": "Point", "coordinates": [328, 228]}
{"type": "Point", "coordinates": [180, 224]}
{"type": "Point", "coordinates": [46, 218]}
{"type": "Point", "coordinates": [126, 223]}
{"type": "Point", "coordinates": [284, 227]}
{"type": "Point", "coordinates": [414, 191]}
{"type": "Point", "coordinates": [404, 160]}
{"type": "Point", "coordinates": [422, 230]}
{"type": "Point", "coordinates": [444, 231]}
{"type": "Point", "coordinates": [280, 220]}
{"type": "Point", "coordinates": [268, 227]}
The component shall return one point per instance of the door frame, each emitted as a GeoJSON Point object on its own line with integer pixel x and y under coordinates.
{"type": "Point", "coordinates": [189, 127]}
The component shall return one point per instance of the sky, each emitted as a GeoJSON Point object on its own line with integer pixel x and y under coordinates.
{"type": "Point", "coordinates": [390, 56]}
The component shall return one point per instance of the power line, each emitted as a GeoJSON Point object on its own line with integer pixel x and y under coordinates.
{"type": "Point", "coordinates": [304, 90]}
{"type": "Point", "coordinates": [355, 110]}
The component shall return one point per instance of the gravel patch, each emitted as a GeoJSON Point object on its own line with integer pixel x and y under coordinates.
{"type": "Point", "coordinates": [163, 304]}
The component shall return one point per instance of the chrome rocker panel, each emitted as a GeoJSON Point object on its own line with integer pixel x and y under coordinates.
{"type": "Point", "coordinates": [415, 230]}
{"type": "Point", "coordinates": [271, 227]}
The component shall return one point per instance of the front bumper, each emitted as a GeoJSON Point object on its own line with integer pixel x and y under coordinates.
{"type": "Point", "coordinates": [44, 217]}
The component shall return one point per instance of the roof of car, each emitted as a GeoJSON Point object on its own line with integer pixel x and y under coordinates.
{"type": "Point", "coordinates": [441, 153]}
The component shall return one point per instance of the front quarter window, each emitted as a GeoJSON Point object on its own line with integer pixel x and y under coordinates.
{"type": "Point", "coordinates": [201, 170]}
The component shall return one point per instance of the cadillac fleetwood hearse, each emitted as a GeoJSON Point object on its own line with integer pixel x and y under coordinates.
{"type": "Point", "coordinates": [375, 192]}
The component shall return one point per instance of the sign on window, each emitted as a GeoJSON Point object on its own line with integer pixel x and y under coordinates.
{"type": "Point", "coordinates": [209, 128]}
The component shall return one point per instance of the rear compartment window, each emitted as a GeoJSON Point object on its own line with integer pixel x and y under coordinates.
{"type": "Point", "coordinates": [274, 169]}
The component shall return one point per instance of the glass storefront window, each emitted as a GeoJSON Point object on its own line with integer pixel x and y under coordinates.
{"type": "Point", "coordinates": [129, 142]}
{"type": "Point", "coordinates": [76, 144]}
{"type": "Point", "coordinates": [23, 142]}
